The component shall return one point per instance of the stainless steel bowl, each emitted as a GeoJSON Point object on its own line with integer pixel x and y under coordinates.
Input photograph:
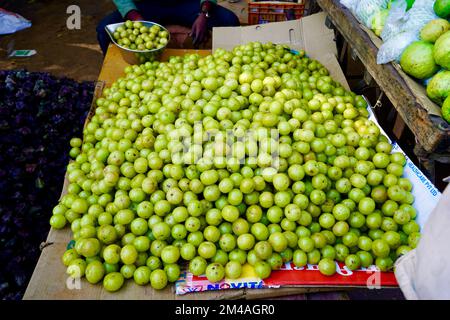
{"type": "Point", "coordinates": [136, 56]}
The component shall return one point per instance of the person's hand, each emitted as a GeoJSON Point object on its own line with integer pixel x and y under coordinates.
{"type": "Point", "coordinates": [134, 15]}
{"type": "Point", "coordinates": [199, 30]}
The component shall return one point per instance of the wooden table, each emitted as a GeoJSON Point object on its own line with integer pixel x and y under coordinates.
{"type": "Point", "coordinates": [409, 98]}
{"type": "Point", "coordinates": [49, 280]}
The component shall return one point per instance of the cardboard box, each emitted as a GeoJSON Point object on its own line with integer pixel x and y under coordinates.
{"type": "Point", "coordinates": [309, 33]}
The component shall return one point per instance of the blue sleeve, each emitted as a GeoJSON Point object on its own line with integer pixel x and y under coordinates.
{"type": "Point", "coordinates": [124, 6]}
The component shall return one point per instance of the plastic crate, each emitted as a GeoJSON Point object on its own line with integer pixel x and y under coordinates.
{"type": "Point", "coordinates": [273, 11]}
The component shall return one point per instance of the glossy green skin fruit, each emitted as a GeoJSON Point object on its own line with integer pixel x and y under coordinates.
{"type": "Point", "coordinates": [434, 29]}
{"type": "Point", "coordinates": [439, 87]}
{"type": "Point", "coordinates": [441, 51]}
{"type": "Point", "coordinates": [417, 60]}
{"type": "Point", "coordinates": [442, 8]}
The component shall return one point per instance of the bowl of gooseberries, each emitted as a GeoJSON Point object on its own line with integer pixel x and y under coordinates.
{"type": "Point", "coordinates": [143, 205]}
{"type": "Point", "coordinates": [139, 41]}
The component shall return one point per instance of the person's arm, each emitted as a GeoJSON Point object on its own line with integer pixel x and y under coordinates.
{"type": "Point", "coordinates": [200, 27]}
{"type": "Point", "coordinates": [125, 7]}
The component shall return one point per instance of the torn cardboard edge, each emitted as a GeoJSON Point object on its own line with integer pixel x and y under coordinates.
{"type": "Point", "coordinates": [309, 33]}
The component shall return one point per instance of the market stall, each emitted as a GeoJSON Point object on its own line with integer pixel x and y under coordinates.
{"type": "Point", "coordinates": [339, 195]}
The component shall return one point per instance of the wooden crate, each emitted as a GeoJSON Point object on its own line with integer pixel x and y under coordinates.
{"type": "Point", "coordinates": [273, 11]}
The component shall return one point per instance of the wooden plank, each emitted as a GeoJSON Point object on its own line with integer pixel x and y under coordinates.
{"type": "Point", "coordinates": [328, 296]}
{"type": "Point", "coordinates": [251, 294]}
{"type": "Point", "coordinates": [399, 126]}
{"type": "Point", "coordinates": [410, 106]}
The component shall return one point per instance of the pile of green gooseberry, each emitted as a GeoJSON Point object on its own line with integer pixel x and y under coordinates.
{"type": "Point", "coordinates": [251, 156]}
{"type": "Point", "coordinates": [135, 35]}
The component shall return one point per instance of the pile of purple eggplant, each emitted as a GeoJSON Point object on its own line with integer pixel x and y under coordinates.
{"type": "Point", "coordinates": [39, 114]}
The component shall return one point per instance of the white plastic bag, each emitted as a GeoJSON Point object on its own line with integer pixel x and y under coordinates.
{"type": "Point", "coordinates": [367, 8]}
{"type": "Point", "coordinates": [378, 21]}
{"type": "Point", "coordinates": [419, 15]}
{"type": "Point", "coordinates": [395, 20]}
{"type": "Point", "coordinates": [350, 4]}
{"type": "Point", "coordinates": [11, 22]}
{"type": "Point", "coordinates": [400, 20]}
{"type": "Point", "coordinates": [424, 273]}
{"type": "Point", "coordinates": [408, 26]}
{"type": "Point", "coordinates": [393, 48]}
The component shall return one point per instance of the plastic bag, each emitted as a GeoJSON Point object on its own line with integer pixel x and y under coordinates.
{"type": "Point", "coordinates": [392, 49]}
{"type": "Point", "coordinates": [400, 20]}
{"type": "Point", "coordinates": [424, 273]}
{"type": "Point", "coordinates": [419, 15]}
{"type": "Point", "coordinates": [379, 20]}
{"type": "Point", "coordinates": [367, 8]}
{"type": "Point", "coordinates": [408, 27]}
{"type": "Point", "coordinates": [395, 20]}
{"type": "Point", "coordinates": [11, 22]}
{"type": "Point", "coordinates": [350, 4]}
